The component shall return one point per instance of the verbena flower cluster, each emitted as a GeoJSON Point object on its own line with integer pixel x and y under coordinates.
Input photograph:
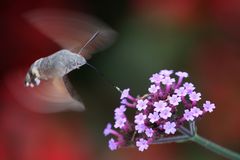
{"type": "Point", "coordinates": [169, 103]}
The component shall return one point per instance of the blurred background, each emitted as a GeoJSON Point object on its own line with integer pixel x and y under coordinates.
{"type": "Point", "coordinates": [201, 37]}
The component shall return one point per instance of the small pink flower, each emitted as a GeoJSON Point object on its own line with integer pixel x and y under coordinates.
{"type": "Point", "coordinates": [174, 100]}
{"type": "Point", "coordinates": [153, 88]}
{"type": "Point", "coordinates": [159, 106]}
{"type": "Point", "coordinates": [170, 127]}
{"type": "Point", "coordinates": [140, 128]}
{"type": "Point", "coordinates": [149, 132]}
{"type": "Point", "coordinates": [112, 144]}
{"type": "Point", "coordinates": [120, 122]}
{"type": "Point", "coordinates": [168, 81]}
{"type": "Point", "coordinates": [188, 115]}
{"type": "Point", "coordinates": [208, 106]}
{"type": "Point", "coordinates": [142, 104]}
{"type": "Point", "coordinates": [166, 72]}
{"type": "Point", "coordinates": [142, 144]}
{"type": "Point", "coordinates": [194, 97]}
{"type": "Point", "coordinates": [108, 129]}
{"type": "Point", "coordinates": [124, 102]}
{"type": "Point", "coordinates": [156, 78]}
{"type": "Point", "coordinates": [125, 93]}
{"type": "Point", "coordinates": [182, 74]}
{"type": "Point", "coordinates": [196, 111]}
{"type": "Point", "coordinates": [140, 118]}
{"type": "Point", "coordinates": [166, 113]}
{"type": "Point", "coordinates": [120, 111]}
{"type": "Point", "coordinates": [189, 87]}
{"type": "Point", "coordinates": [154, 117]}
{"type": "Point", "coordinates": [181, 92]}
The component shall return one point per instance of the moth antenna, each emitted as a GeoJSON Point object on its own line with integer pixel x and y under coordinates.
{"type": "Point", "coordinates": [89, 41]}
{"type": "Point", "coordinates": [104, 78]}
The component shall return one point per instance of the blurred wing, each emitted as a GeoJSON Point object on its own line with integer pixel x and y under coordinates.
{"type": "Point", "coordinates": [71, 30]}
{"type": "Point", "coordinates": [49, 97]}
{"type": "Point", "coordinates": [69, 88]}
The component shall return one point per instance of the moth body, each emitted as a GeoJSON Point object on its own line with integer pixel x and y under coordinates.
{"type": "Point", "coordinates": [55, 65]}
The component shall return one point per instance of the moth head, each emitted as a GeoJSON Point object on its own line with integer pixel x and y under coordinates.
{"type": "Point", "coordinates": [33, 77]}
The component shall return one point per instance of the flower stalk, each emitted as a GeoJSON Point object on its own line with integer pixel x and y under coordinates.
{"type": "Point", "coordinates": [215, 148]}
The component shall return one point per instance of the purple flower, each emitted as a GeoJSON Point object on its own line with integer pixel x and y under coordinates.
{"type": "Point", "coordinates": [188, 115]}
{"type": "Point", "coordinates": [120, 122]}
{"type": "Point", "coordinates": [165, 72]}
{"type": "Point", "coordinates": [149, 132]}
{"type": "Point", "coordinates": [142, 104]}
{"type": "Point", "coordinates": [154, 117]}
{"type": "Point", "coordinates": [208, 106]}
{"type": "Point", "coordinates": [153, 88]}
{"type": "Point", "coordinates": [181, 92]}
{"type": "Point", "coordinates": [168, 81]}
{"type": "Point", "coordinates": [125, 93]}
{"type": "Point", "coordinates": [189, 87]}
{"type": "Point", "coordinates": [174, 100]}
{"type": "Point", "coordinates": [169, 127]}
{"type": "Point", "coordinates": [182, 74]}
{"type": "Point", "coordinates": [108, 129]}
{"type": "Point", "coordinates": [158, 113]}
{"type": "Point", "coordinates": [112, 144]}
{"type": "Point", "coordinates": [142, 144]}
{"type": "Point", "coordinates": [196, 111]}
{"type": "Point", "coordinates": [140, 128]}
{"type": "Point", "coordinates": [194, 97]}
{"type": "Point", "coordinates": [166, 113]}
{"type": "Point", "coordinates": [124, 102]}
{"type": "Point", "coordinates": [159, 106]}
{"type": "Point", "coordinates": [156, 78]}
{"type": "Point", "coordinates": [140, 118]}
{"type": "Point", "coordinates": [120, 111]}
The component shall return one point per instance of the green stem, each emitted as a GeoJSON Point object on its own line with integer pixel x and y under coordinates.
{"type": "Point", "coordinates": [215, 148]}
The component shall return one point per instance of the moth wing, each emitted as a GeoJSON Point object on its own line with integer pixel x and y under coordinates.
{"type": "Point", "coordinates": [71, 30]}
{"type": "Point", "coordinates": [49, 97]}
{"type": "Point", "coordinates": [67, 85]}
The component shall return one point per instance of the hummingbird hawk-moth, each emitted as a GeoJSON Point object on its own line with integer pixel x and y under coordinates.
{"type": "Point", "coordinates": [80, 36]}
